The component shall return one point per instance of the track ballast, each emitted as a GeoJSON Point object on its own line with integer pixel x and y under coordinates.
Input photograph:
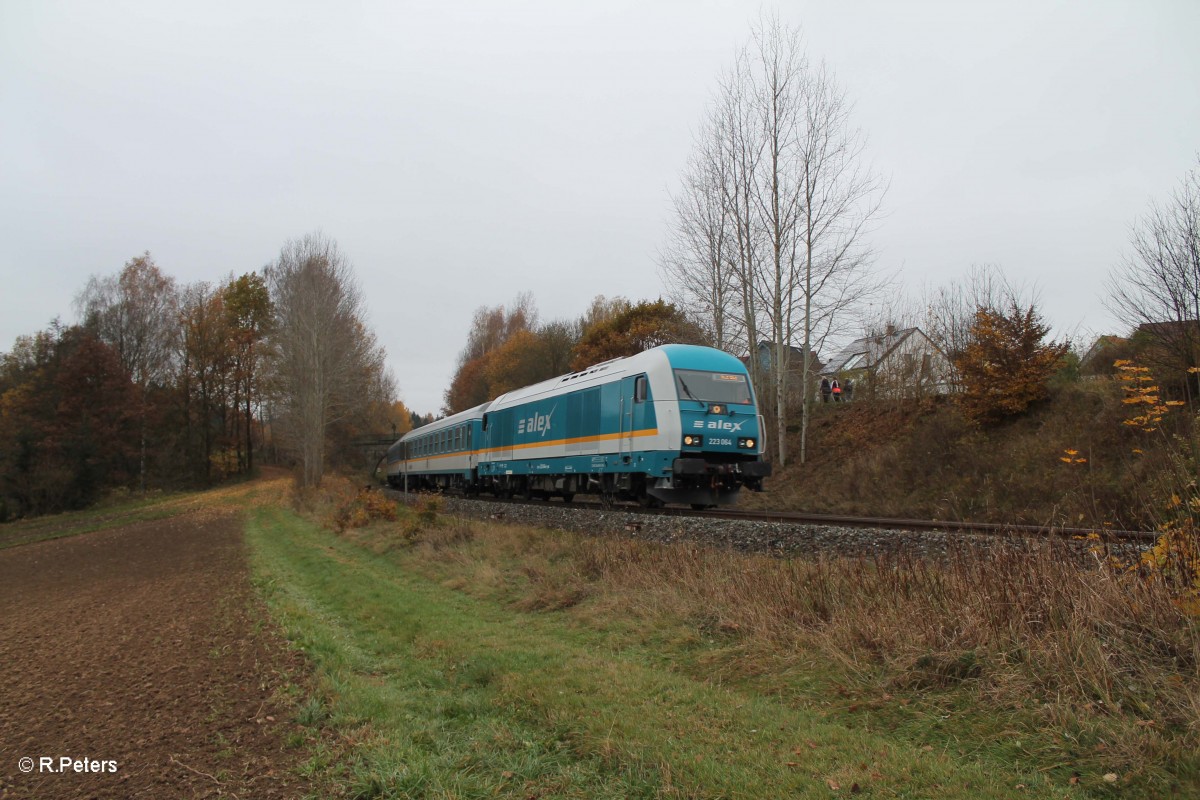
{"type": "Point", "coordinates": [787, 533]}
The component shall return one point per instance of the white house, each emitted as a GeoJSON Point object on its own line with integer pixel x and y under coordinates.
{"type": "Point", "coordinates": [900, 362]}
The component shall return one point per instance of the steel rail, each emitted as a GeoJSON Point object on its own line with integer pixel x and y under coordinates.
{"type": "Point", "coordinates": [851, 521]}
{"type": "Point", "coordinates": [995, 528]}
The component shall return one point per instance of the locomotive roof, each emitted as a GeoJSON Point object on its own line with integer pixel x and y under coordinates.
{"type": "Point", "coordinates": [676, 356]}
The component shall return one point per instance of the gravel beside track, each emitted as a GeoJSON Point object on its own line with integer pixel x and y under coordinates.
{"type": "Point", "coordinates": [774, 538]}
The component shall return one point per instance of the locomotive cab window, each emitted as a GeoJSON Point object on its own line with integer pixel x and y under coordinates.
{"type": "Point", "coordinates": [712, 387]}
{"type": "Point", "coordinates": [639, 389]}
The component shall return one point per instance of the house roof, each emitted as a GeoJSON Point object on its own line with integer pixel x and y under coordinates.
{"type": "Point", "coordinates": [795, 358]}
{"type": "Point", "coordinates": [1101, 344]}
{"type": "Point", "coordinates": [1170, 329]}
{"type": "Point", "coordinates": [867, 351]}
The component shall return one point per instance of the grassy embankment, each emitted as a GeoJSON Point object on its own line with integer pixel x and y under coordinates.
{"type": "Point", "coordinates": [924, 460]}
{"type": "Point", "coordinates": [473, 659]}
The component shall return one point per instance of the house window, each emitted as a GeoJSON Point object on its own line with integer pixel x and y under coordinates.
{"type": "Point", "coordinates": [855, 361]}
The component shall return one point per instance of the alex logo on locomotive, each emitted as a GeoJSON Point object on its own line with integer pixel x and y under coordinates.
{"type": "Point", "coordinates": [717, 425]}
{"type": "Point", "coordinates": [538, 423]}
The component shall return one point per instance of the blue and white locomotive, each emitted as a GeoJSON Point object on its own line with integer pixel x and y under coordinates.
{"type": "Point", "coordinates": [674, 424]}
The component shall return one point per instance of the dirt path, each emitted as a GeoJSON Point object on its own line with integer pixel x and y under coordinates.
{"type": "Point", "coordinates": [137, 649]}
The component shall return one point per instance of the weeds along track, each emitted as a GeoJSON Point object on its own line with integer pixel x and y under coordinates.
{"type": "Point", "coordinates": [789, 533]}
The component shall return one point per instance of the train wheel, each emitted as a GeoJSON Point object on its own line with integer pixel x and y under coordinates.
{"type": "Point", "coordinates": [568, 496]}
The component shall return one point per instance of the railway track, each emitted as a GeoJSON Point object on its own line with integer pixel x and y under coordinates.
{"type": "Point", "coordinates": [804, 519]}
{"type": "Point", "coordinates": [994, 528]}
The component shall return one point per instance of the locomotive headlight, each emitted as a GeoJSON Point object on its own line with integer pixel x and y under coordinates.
{"type": "Point", "coordinates": [693, 441]}
{"type": "Point", "coordinates": [747, 444]}
{"type": "Point", "coordinates": [717, 408]}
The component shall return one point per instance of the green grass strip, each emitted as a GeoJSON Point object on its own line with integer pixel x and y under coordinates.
{"type": "Point", "coordinates": [446, 696]}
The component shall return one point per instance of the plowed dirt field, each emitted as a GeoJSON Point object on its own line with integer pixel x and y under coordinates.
{"type": "Point", "coordinates": [133, 664]}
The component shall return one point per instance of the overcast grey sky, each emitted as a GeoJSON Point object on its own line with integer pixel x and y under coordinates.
{"type": "Point", "coordinates": [462, 152]}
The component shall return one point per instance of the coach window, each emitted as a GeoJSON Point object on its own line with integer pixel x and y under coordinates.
{"type": "Point", "coordinates": [639, 389]}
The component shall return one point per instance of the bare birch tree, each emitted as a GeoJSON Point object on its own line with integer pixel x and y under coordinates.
{"type": "Point", "coordinates": [1157, 287]}
{"type": "Point", "coordinates": [135, 311]}
{"type": "Point", "coordinates": [949, 310]}
{"type": "Point", "coordinates": [779, 68]}
{"type": "Point", "coordinates": [699, 263]}
{"type": "Point", "coordinates": [841, 200]}
{"type": "Point", "coordinates": [327, 365]}
{"type": "Point", "coordinates": [796, 202]}
{"type": "Point", "coordinates": [712, 260]}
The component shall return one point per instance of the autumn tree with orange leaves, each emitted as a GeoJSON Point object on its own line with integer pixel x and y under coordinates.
{"type": "Point", "coordinates": [633, 329]}
{"type": "Point", "coordinates": [1006, 364]}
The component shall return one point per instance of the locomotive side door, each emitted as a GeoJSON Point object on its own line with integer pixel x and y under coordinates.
{"type": "Point", "coordinates": [625, 441]}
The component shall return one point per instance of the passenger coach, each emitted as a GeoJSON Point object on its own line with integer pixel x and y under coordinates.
{"type": "Point", "coordinates": [674, 424]}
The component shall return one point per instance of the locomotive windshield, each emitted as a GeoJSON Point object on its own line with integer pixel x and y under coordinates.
{"type": "Point", "coordinates": [712, 387]}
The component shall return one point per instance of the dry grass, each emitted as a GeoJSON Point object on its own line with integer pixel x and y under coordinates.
{"type": "Point", "coordinates": [1082, 654]}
